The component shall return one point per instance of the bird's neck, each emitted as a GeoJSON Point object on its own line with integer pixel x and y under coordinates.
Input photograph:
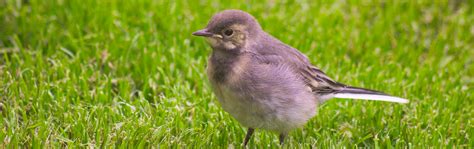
{"type": "Point", "coordinates": [221, 64]}
{"type": "Point", "coordinates": [224, 54]}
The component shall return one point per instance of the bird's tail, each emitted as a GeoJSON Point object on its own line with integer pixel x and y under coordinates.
{"type": "Point", "coordinates": [362, 93]}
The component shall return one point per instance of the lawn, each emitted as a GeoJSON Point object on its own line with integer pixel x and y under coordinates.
{"type": "Point", "coordinates": [116, 73]}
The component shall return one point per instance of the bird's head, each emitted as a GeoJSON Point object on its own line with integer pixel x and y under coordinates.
{"type": "Point", "coordinates": [230, 30]}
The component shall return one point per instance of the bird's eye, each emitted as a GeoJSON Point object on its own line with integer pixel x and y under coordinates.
{"type": "Point", "coordinates": [228, 32]}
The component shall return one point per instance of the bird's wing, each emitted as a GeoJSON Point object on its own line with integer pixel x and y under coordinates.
{"type": "Point", "coordinates": [319, 82]}
{"type": "Point", "coordinates": [278, 53]}
{"type": "Point", "coordinates": [314, 78]}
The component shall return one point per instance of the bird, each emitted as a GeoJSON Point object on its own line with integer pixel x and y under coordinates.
{"type": "Point", "coordinates": [264, 83]}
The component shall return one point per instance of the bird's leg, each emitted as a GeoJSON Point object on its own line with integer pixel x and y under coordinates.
{"type": "Point", "coordinates": [282, 138]}
{"type": "Point", "coordinates": [247, 137]}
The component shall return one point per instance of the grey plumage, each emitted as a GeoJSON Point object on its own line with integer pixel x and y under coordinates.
{"type": "Point", "coordinates": [264, 83]}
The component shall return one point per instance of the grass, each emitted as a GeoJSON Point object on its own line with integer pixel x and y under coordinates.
{"type": "Point", "coordinates": [87, 73]}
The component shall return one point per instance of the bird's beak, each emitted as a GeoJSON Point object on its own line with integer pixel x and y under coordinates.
{"type": "Point", "coordinates": [202, 32]}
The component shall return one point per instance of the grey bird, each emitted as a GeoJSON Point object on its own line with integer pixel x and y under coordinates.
{"type": "Point", "coordinates": [264, 83]}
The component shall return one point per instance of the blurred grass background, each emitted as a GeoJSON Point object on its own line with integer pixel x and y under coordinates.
{"type": "Point", "coordinates": [87, 73]}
